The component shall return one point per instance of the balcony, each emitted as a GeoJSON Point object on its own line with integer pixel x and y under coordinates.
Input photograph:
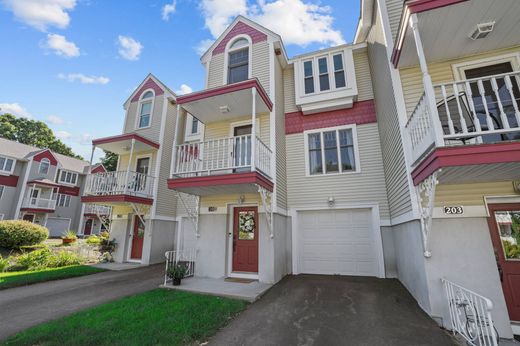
{"type": "Point", "coordinates": [120, 186]}
{"type": "Point", "coordinates": [94, 210]}
{"type": "Point", "coordinates": [468, 123]}
{"type": "Point", "coordinates": [38, 204]}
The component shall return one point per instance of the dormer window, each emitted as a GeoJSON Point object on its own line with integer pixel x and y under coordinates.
{"type": "Point", "coordinates": [145, 109]}
{"type": "Point", "coordinates": [238, 61]}
{"type": "Point", "coordinates": [324, 74]}
{"type": "Point", "coordinates": [44, 166]}
{"type": "Point", "coordinates": [308, 76]}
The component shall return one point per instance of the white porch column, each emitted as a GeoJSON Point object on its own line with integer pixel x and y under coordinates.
{"type": "Point", "coordinates": [92, 157]}
{"type": "Point", "coordinates": [128, 165]}
{"type": "Point", "coordinates": [176, 141]}
{"type": "Point", "coordinates": [253, 130]}
{"type": "Point", "coordinates": [427, 82]}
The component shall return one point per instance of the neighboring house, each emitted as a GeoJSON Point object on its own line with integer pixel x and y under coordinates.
{"type": "Point", "coordinates": [43, 187]}
{"type": "Point", "coordinates": [448, 76]}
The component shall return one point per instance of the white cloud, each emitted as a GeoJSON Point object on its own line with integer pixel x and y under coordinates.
{"type": "Point", "coordinates": [83, 79]}
{"type": "Point", "coordinates": [129, 48]}
{"type": "Point", "coordinates": [184, 89]}
{"type": "Point", "coordinates": [63, 135]}
{"type": "Point", "coordinates": [61, 46]}
{"type": "Point", "coordinates": [168, 9]}
{"type": "Point", "coordinates": [203, 46]}
{"type": "Point", "coordinates": [55, 120]}
{"type": "Point", "coordinates": [14, 109]}
{"type": "Point", "coordinates": [297, 21]}
{"type": "Point", "coordinates": [41, 14]}
{"type": "Point", "coordinates": [86, 139]}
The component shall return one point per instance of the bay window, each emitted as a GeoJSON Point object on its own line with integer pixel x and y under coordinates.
{"type": "Point", "coordinates": [339, 71]}
{"type": "Point", "coordinates": [308, 77]}
{"type": "Point", "coordinates": [324, 74]}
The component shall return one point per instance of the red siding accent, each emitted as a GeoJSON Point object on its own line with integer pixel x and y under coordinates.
{"type": "Point", "coordinates": [363, 112]}
{"type": "Point", "coordinates": [9, 180]}
{"type": "Point", "coordinates": [99, 169]}
{"type": "Point", "coordinates": [116, 198]}
{"type": "Point", "coordinates": [224, 179]}
{"type": "Point", "coordinates": [466, 156]}
{"type": "Point", "coordinates": [46, 154]}
{"type": "Point", "coordinates": [149, 84]}
{"type": "Point", "coordinates": [124, 137]}
{"type": "Point", "coordinates": [69, 190]}
{"type": "Point", "coordinates": [44, 183]}
{"type": "Point", "coordinates": [35, 210]}
{"type": "Point", "coordinates": [240, 28]}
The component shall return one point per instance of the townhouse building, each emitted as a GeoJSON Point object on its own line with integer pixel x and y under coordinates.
{"type": "Point", "coordinates": [44, 187]}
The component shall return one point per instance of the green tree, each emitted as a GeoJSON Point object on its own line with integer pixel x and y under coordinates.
{"type": "Point", "coordinates": [32, 132]}
{"type": "Point", "coordinates": [109, 161]}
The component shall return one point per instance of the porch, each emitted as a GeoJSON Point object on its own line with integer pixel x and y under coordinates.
{"type": "Point", "coordinates": [41, 196]}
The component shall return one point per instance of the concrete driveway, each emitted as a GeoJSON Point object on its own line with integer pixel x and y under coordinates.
{"type": "Point", "coordinates": [24, 307]}
{"type": "Point", "coordinates": [334, 310]}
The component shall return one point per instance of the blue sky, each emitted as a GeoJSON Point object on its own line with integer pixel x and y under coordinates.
{"type": "Point", "coordinates": [73, 63]}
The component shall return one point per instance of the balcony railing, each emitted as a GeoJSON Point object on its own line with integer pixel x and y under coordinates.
{"type": "Point", "coordinates": [120, 183]}
{"type": "Point", "coordinates": [39, 203]}
{"type": "Point", "coordinates": [224, 155]}
{"type": "Point", "coordinates": [473, 111]}
{"type": "Point", "coordinates": [97, 209]}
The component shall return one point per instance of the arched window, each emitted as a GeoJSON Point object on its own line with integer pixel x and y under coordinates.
{"type": "Point", "coordinates": [238, 61]}
{"type": "Point", "coordinates": [44, 166]}
{"type": "Point", "coordinates": [145, 109]}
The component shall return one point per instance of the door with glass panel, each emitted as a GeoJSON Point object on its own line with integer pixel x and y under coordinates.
{"type": "Point", "coordinates": [142, 167]}
{"type": "Point", "coordinates": [242, 148]}
{"type": "Point", "coordinates": [504, 225]}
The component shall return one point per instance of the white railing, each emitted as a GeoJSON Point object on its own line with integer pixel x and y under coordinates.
{"type": "Point", "coordinates": [97, 209]}
{"type": "Point", "coordinates": [185, 257]}
{"type": "Point", "coordinates": [470, 315]}
{"type": "Point", "coordinates": [472, 111]}
{"type": "Point", "coordinates": [119, 183]}
{"type": "Point", "coordinates": [230, 154]}
{"type": "Point", "coordinates": [39, 203]}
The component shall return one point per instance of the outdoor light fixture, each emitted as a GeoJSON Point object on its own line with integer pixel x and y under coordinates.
{"type": "Point", "coordinates": [241, 199]}
{"type": "Point", "coordinates": [481, 30]}
{"type": "Point", "coordinates": [224, 109]}
{"type": "Point", "coordinates": [331, 201]}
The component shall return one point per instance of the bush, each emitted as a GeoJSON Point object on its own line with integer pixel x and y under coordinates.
{"type": "Point", "coordinates": [104, 235]}
{"type": "Point", "coordinates": [63, 259]}
{"type": "Point", "coordinates": [34, 260]}
{"type": "Point", "coordinates": [69, 235]}
{"type": "Point", "coordinates": [17, 233]}
{"type": "Point", "coordinates": [4, 263]}
{"type": "Point", "coordinates": [93, 240]}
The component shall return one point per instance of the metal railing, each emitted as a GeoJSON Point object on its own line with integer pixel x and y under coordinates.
{"type": "Point", "coordinates": [118, 183]}
{"type": "Point", "coordinates": [39, 203]}
{"type": "Point", "coordinates": [472, 111]}
{"type": "Point", "coordinates": [185, 257]}
{"type": "Point", "coordinates": [470, 315]}
{"type": "Point", "coordinates": [232, 154]}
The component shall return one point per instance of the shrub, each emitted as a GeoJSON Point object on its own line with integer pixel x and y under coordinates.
{"type": "Point", "coordinates": [104, 235]}
{"type": "Point", "coordinates": [34, 260]}
{"type": "Point", "coordinates": [69, 235]}
{"type": "Point", "coordinates": [17, 233]}
{"type": "Point", "coordinates": [93, 240]}
{"type": "Point", "coordinates": [63, 258]}
{"type": "Point", "coordinates": [108, 245]}
{"type": "Point", "coordinates": [4, 263]}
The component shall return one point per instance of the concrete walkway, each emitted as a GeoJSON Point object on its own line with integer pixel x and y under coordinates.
{"type": "Point", "coordinates": [334, 310]}
{"type": "Point", "coordinates": [24, 307]}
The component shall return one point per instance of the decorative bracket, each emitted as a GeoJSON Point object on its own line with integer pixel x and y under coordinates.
{"type": "Point", "coordinates": [191, 204]}
{"type": "Point", "coordinates": [105, 219]}
{"type": "Point", "coordinates": [267, 202]}
{"type": "Point", "coordinates": [426, 197]}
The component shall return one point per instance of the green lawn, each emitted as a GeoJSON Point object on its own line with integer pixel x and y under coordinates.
{"type": "Point", "coordinates": [158, 317]}
{"type": "Point", "coordinates": [13, 279]}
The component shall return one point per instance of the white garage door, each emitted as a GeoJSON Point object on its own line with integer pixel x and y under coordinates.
{"type": "Point", "coordinates": [337, 242]}
{"type": "Point", "coordinates": [57, 226]}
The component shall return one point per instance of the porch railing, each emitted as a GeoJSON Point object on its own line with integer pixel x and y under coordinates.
{"type": "Point", "coordinates": [232, 154]}
{"type": "Point", "coordinates": [118, 183]}
{"type": "Point", "coordinates": [472, 111]}
{"type": "Point", "coordinates": [185, 257]}
{"type": "Point", "coordinates": [39, 203]}
{"type": "Point", "coordinates": [97, 209]}
{"type": "Point", "coordinates": [470, 315]}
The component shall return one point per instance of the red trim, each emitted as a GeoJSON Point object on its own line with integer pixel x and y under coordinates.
{"type": "Point", "coordinates": [48, 155]}
{"type": "Point", "coordinates": [362, 113]}
{"type": "Point", "coordinates": [466, 156]}
{"type": "Point", "coordinates": [35, 210]}
{"type": "Point", "coordinates": [224, 179]}
{"type": "Point", "coordinates": [226, 89]}
{"type": "Point", "coordinates": [90, 215]}
{"type": "Point", "coordinates": [38, 182]}
{"type": "Point", "coordinates": [116, 198]}
{"type": "Point", "coordinates": [98, 169]}
{"type": "Point", "coordinates": [9, 180]}
{"type": "Point", "coordinates": [149, 84]}
{"type": "Point", "coordinates": [69, 190]}
{"type": "Point", "coordinates": [124, 137]}
{"type": "Point", "coordinates": [240, 28]}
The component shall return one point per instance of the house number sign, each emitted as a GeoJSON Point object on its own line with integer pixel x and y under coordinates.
{"type": "Point", "coordinates": [453, 210]}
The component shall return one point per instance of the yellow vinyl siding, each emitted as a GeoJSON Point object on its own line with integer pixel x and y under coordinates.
{"type": "Point", "coordinates": [216, 71]}
{"type": "Point", "coordinates": [363, 79]}
{"type": "Point", "coordinates": [394, 9]}
{"type": "Point", "coordinates": [222, 129]}
{"type": "Point", "coordinates": [123, 161]}
{"type": "Point", "coordinates": [471, 194]}
{"type": "Point", "coordinates": [280, 154]}
{"type": "Point", "coordinates": [220, 201]}
{"type": "Point", "coordinates": [289, 92]}
{"type": "Point", "coordinates": [153, 132]}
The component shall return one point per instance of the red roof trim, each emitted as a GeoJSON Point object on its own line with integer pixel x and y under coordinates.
{"type": "Point", "coordinates": [240, 28]}
{"type": "Point", "coordinates": [117, 198]}
{"type": "Point", "coordinates": [466, 156]}
{"type": "Point", "coordinates": [226, 89]}
{"type": "Point", "coordinates": [124, 137]}
{"type": "Point", "coordinates": [223, 179]}
{"type": "Point", "coordinates": [44, 183]}
{"type": "Point", "coordinates": [36, 210]}
{"type": "Point", "coordinates": [9, 180]}
{"type": "Point", "coordinates": [46, 154]}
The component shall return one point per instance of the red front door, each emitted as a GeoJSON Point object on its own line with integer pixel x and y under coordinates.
{"type": "Point", "coordinates": [137, 239]}
{"type": "Point", "coordinates": [88, 227]}
{"type": "Point", "coordinates": [245, 239]}
{"type": "Point", "coordinates": [504, 225]}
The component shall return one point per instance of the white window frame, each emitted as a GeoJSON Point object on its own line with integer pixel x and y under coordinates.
{"type": "Point", "coordinates": [63, 198]}
{"type": "Point", "coordinates": [144, 156]}
{"type": "Point", "coordinates": [139, 105]}
{"type": "Point", "coordinates": [351, 127]}
{"type": "Point", "coordinates": [330, 70]}
{"type": "Point", "coordinates": [9, 172]}
{"type": "Point", "coordinates": [188, 135]}
{"type": "Point", "coordinates": [459, 70]}
{"type": "Point", "coordinates": [64, 181]}
{"type": "Point", "coordinates": [48, 167]}
{"type": "Point", "coordinates": [313, 77]}
{"type": "Point", "coordinates": [230, 50]}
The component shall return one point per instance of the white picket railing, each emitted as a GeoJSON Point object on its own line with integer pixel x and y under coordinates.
{"type": "Point", "coordinates": [118, 183]}
{"type": "Point", "coordinates": [39, 203]}
{"type": "Point", "coordinates": [97, 209]}
{"type": "Point", "coordinates": [470, 315]}
{"type": "Point", "coordinates": [185, 257]}
{"type": "Point", "coordinates": [220, 155]}
{"type": "Point", "coordinates": [472, 111]}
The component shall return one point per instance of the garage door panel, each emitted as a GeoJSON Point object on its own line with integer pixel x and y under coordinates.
{"type": "Point", "coordinates": [57, 226]}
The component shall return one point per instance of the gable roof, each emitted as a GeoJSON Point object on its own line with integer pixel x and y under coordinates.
{"type": "Point", "coordinates": [139, 89]}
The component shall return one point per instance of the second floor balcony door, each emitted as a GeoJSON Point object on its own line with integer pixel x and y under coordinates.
{"type": "Point", "coordinates": [242, 147]}
{"type": "Point", "coordinates": [142, 168]}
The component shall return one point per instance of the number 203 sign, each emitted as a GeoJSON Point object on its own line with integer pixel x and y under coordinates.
{"type": "Point", "coordinates": [453, 210]}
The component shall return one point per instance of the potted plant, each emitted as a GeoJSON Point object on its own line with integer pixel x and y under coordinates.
{"type": "Point", "coordinates": [69, 237]}
{"type": "Point", "coordinates": [177, 273]}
